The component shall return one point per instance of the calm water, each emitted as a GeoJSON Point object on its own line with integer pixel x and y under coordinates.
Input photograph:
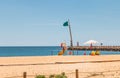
{"type": "Point", "coordinates": [41, 51]}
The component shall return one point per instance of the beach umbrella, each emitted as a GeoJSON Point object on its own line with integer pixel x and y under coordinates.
{"type": "Point", "coordinates": [91, 42]}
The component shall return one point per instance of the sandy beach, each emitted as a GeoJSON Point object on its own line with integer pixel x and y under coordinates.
{"type": "Point", "coordinates": [103, 66]}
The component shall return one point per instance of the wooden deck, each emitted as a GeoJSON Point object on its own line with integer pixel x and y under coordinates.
{"type": "Point", "coordinates": [103, 48]}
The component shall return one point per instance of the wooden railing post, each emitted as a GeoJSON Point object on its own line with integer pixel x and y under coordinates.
{"type": "Point", "coordinates": [76, 71]}
{"type": "Point", "coordinates": [24, 74]}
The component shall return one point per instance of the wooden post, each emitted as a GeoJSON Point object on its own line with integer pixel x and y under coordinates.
{"type": "Point", "coordinates": [24, 74]}
{"type": "Point", "coordinates": [76, 71]}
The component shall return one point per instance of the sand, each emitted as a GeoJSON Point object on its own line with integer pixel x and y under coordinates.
{"type": "Point", "coordinates": [103, 66]}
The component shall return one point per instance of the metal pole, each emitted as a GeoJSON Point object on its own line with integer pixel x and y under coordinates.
{"type": "Point", "coordinates": [71, 41]}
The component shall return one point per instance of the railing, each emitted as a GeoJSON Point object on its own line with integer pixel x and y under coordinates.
{"type": "Point", "coordinates": [78, 74]}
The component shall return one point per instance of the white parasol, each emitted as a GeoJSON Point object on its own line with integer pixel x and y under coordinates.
{"type": "Point", "coordinates": [91, 42]}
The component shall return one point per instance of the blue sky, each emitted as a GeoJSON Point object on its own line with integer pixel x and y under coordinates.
{"type": "Point", "coordinates": [39, 22]}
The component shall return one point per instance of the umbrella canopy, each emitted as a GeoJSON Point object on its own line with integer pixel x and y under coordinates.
{"type": "Point", "coordinates": [91, 42]}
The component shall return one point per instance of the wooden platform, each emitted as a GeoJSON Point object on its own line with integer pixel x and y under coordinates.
{"type": "Point", "coordinates": [103, 48]}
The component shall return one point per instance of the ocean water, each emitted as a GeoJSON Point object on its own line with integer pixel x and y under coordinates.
{"type": "Point", "coordinates": [42, 51]}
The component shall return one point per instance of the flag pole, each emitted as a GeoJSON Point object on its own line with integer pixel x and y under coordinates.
{"type": "Point", "coordinates": [71, 41]}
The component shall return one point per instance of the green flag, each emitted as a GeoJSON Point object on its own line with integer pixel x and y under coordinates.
{"type": "Point", "coordinates": [65, 24]}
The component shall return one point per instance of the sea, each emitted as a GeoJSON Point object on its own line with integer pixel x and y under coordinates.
{"type": "Point", "coordinates": [13, 51]}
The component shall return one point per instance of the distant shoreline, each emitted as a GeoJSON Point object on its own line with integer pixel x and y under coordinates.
{"type": "Point", "coordinates": [43, 51]}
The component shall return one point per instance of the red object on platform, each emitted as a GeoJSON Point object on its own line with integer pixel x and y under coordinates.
{"type": "Point", "coordinates": [91, 46]}
{"type": "Point", "coordinates": [84, 53]}
{"type": "Point", "coordinates": [70, 53]}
